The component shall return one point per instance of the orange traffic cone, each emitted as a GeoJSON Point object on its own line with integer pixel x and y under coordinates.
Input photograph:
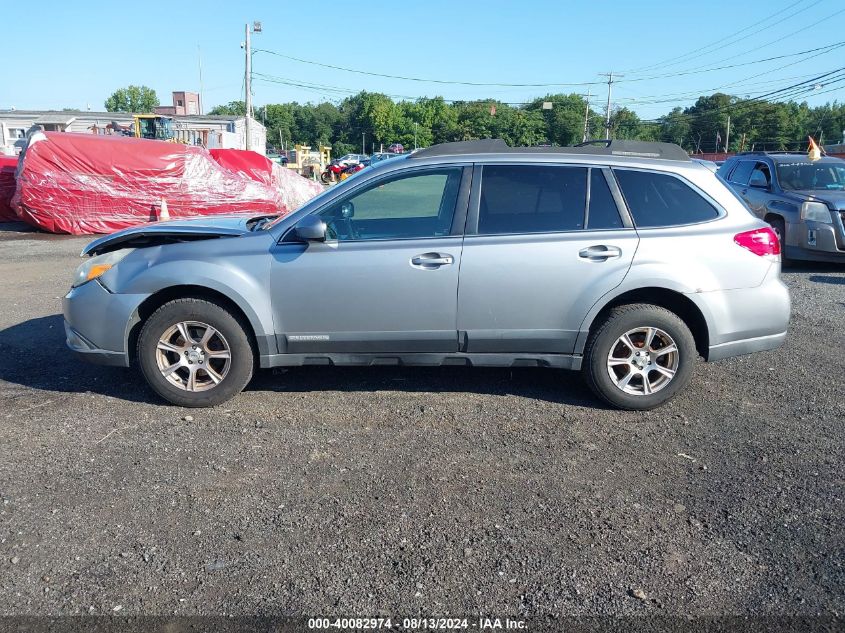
{"type": "Point", "coordinates": [163, 213]}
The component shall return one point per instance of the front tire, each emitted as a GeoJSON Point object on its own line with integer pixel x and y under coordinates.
{"type": "Point", "coordinates": [639, 357]}
{"type": "Point", "coordinates": [194, 353]}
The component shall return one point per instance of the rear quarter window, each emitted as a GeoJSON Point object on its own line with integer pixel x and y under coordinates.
{"type": "Point", "coordinates": [725, 170]}
{"type": "Point", "coordinates": [657, 200]}
{"type": "Point", "coordinates": [743, 172]}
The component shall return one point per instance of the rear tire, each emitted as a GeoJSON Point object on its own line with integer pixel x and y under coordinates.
{"type": "Point", "coordinates": [195, 353]}
{"type": "Point", "coordinates": [654, 364]}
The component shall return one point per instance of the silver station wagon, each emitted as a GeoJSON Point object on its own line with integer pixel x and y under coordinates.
{"type": "Point", "coordinates": [624, 260]}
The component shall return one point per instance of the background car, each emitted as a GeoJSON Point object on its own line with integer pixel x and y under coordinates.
{"type": "Point", "coordinates": [350, 159]}
{"type": "Point", "coordinates": [803, 200]}
{"type": "Point", "coordinates": [380, 156]}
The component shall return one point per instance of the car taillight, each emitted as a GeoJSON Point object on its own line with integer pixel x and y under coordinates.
{"type": "Point", "coordinates": [761, 242]}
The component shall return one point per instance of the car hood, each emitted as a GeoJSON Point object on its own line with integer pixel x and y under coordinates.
{"type": "Point", "coordinates": [155, 234]}
{"type": "Point", "coordinates": [836, 199]}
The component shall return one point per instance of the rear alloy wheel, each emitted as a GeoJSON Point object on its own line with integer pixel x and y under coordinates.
{"type": "Point", "coordinates": [643, 361]}
{"type": "Point", "coordinates": [639, 357]}
{"type": "Point", "coordinates": [195, 353]}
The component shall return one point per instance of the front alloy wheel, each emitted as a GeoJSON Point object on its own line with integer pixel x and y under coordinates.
{"type": "Point", "coordinates": [195, 353]}
{"type": "Point", "coordinates": [193, 356]}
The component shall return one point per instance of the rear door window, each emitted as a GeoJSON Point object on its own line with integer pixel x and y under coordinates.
{"type": "Point", "coordinates": [532, 199]}
{"type": "Point", "coordinates": [657, 200]}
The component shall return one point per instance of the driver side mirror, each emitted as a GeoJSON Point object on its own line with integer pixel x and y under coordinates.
{"type": "Point", "coordinates": [758, 180]}
{"type": "Point", "coordinates": [311, 228]}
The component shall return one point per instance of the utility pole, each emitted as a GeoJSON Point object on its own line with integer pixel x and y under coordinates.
{"type": "Point", "coordinates": [609, 90]}
{"type": "Point", "coordinates": [586, 118]}
{"type": "Point", "coordinates": [363, 143]}
{"type": "Point", "coordinates": [199, 61]}
{"type": "Point", "coordinates": [256, 28]}
{"type": "Point", "coordinates": [415, 135]}
{"type": "Point", "coordinates": [727, 136]}
{"type": "Point", "coordinates": [248, 86]}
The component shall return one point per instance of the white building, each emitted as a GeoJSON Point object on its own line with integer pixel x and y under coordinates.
{"type": "Point", "coordinates": [211, 131]}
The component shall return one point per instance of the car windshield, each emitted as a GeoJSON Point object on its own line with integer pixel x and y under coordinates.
{"type": "Point", "coordinates": [805, 176]}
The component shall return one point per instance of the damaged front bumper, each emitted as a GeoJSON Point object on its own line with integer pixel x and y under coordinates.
{"type": "Point", "coordinates": [97, 323]}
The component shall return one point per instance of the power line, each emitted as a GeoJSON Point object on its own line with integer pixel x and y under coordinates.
{"type": "Point", "coordinates": [702, 69]}
{"type": "Point", "coordinates": [698, 93]}
{"type": "Point", "coordinates": [790, 91]}
{"type": "Point", "coordinates": [679, 59]}
{"type": "Point", "coordinates": [678, 96]}
{"type": "Point", "coordinates": [419, 79]}
{"type": "Point", "coordinates": [797, 89]}
{"type": "Point", "coordinates": [818, 51]}
{"type": "Point", "coordinates": [757, 48]}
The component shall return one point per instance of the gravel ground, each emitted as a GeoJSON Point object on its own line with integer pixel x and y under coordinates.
{"type": "Point", "coordinates": [417, 491]}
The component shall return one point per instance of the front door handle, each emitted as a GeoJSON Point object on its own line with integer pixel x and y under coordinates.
{"type": "Point", "coordinates": [430, 261]}
{"type": "Point", "coordinates": [600, 253]}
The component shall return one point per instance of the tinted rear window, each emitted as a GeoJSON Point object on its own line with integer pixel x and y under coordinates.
{"type": "Point", "coordinates": [532, 199]}
{"type": "Point", "coordinates": [662, 200]}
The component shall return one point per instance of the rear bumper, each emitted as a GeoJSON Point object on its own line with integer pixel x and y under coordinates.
{"type": "Point", "coordinates": [746, 346]}
{"type": "Point", "coordinates": [746, 320]}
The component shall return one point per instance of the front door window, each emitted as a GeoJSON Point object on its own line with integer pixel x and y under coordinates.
{"type": "Point", "coordinates": [413, 206]}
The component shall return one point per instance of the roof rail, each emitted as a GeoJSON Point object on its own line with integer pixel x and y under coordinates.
{"type": "Point", "coordinates": [761, 152]}
{"type": "Point", "coordinates": [602, 147]}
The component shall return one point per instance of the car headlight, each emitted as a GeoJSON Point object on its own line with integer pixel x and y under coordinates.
{"type": "Point", "coordinates": [98, 266]}
{"type": "Point", "coordinates": [815, 211]}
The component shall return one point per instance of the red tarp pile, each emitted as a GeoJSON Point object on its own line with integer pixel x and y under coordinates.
{"type": "Point", "coordinates": [8, 164]}
{"type": "Point", "coordinates": [85, 183]}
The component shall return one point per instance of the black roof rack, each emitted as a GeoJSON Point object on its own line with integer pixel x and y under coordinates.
{"type": "Point", "coordinates": [603, 147]}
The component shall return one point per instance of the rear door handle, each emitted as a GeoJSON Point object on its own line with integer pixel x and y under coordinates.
{"type": "Point", "coordinates": [600, 253]}
{"type": "Point", "coordinates": [430, 261]}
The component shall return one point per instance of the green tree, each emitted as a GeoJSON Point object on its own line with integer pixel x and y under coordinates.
{"type": "Point", "coordinates": [625, 124]}
{"type": "Point", "coordinates": [233, 108]}
{"type": "Point", "coordinates": [675, 128]}
{"type": "Point", "coordinates": [754, 123]}
{"type": "Point", "coordinates": [132, 99]}
{"type": "Point", "coordinates": [564, 122]}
